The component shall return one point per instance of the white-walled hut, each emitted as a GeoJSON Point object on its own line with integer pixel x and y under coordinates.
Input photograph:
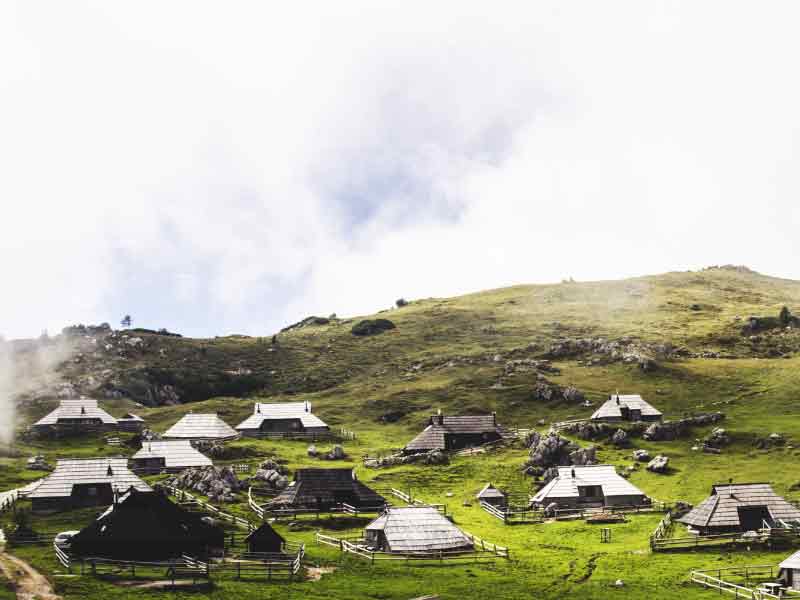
{"type": "Point", "coordinates": [415, 530]}
{"type": "Point", "coordinates": [200, 426]}
{"type": "Point", "coordinates": [455, 432]}
{"type": "Point", "coordinates": [629, 407]}
{"type": "Point", "coordinates": [75, 417]}
{"type": "Point", "coordinates": [790, 571]}
{"type": "Point", "coordinates": [283, 417]}
{"type": "Point", "coordinates": [80, 482]}
{"type": "Point", "coordinates": [733, 507]}
{"type": "Point", "coordinates": [168, 455]}
{"type": "Point", "coordinates": [589, 486]}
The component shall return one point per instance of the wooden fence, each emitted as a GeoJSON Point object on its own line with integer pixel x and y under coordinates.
{"type": "Point", "coordinates": [512, 517]}
{"type": "Point", "coordinates": [184, 496]}
{"type": "Point", "coordinates": [483, 551]}
{"type": "Point", "coordinates": [715, 579]}
{"type": "Point", "coordinates": [340, 435]}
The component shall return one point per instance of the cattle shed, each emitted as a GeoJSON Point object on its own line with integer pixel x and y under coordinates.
{"type": "Point", "coordinates": [733, 507]}
{"type": "Point", "coordinates": [491, 495]}
{"type": "Point", "coordinates": [130, 422]}
{"type": "Point", "coordinates": [631, 407]}
{"type": "Point", "coordinates": [200, 426]}
{"type": "Point", "coordinates": [168, 455]}
{"type": "Point", "coordinates": [265, 540]}
{"type": "Point", "coordinates": [456, 432]}
{"type": "Point", "coordinates": [283, 417]}
{"type": "Point", "coordinates": [416, 530]}
{"type": "Point", "coordinates": [587, 487]}
{"type": "Point", "coordinates": [323, 489]}
{"type": "Point", "coordinates": [147, 526]}
{"type": "Point", "coordinates": [790, 571]}
{"type": "Point", "coordinates": [79, 482]}
{"type": "Point", "coordinates": [75, 417]}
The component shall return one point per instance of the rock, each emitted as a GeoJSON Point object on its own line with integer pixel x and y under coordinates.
{"type": "Point", "coordinates": [659, 464]}
{"type": "Point", "coordinates": [771, 441]}
{"type": "Point", "coordinates": [711, 450]}
{"type": "Point", "coordinates": [574, 395]}
{"type": "Point", "coordinates": [716, 439]}
{"type": "Point", "coordinates": [641, 455]}
{"type": "Point", "coordinates": [620, 439]}
{"type": "Point", "coordinates": [219, 484]}
{"type": "Point", "coordinates": [38, 463]}
{"type": "Point", "coordinates": [584, 456]}
{"type": "Point", "coordinates": [671, 430]}
{"type": "Point", "coordinates": [372, 327]}
{"type": "Point", "coordinates": [336, 453]}
{"type": "Point", "coordinates": [619, 583]}
{"type": "Point", "coordinates": [436, 457]}
{"type": "Point", "coordinates": [312, 450]}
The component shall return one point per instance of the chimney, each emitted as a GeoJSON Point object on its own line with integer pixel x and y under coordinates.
{"type": "Point", "coordinates": [258, 408]}
{"type": "Point", "coordinates": [494, 418]}
{"type": "Point", "coordinates": [308, 406]}
{"type": "Point", "coordinates": [572, 471]}
{"type": "Point", "coordinates": [109, 471]}
{"type": "Point", "coordinates": [83, 410]}
{"type": "Point", "coordinates": [617, 399]}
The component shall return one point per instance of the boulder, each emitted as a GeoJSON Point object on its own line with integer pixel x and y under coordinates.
{"type": "Point", "coordinates": [372, 327]}
{"type": "Point", "coordinates": [659, 464]}
{"type": "Point", "coordinates": [620, 439]}
{"type": "Point", "coordinates": [220, 484]}
{"type": "Point", "coordinates": [672, 430]}
{"type": "Point", "coordinates": [641, 455]}
{"type": "Point", "coordinates": [436, 457]}
{"type": "Point", "coordinates": [312, 450]}
{"type": "Point", "coordinates": [717, 439]}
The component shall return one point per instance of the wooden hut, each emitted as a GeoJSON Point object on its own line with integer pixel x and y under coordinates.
{"type": "Point", "coordinates": [733, 507]}
{"type": "Point", "coordinates": [197, 426]}
{"type": "Point", "coordinates": [130, 422]}
{"type": "Point", "coordinates": [631, 407]}
{"type": "Point", "coordinates": [75, 417]}
{"type": "Point", "coordinates": [265, 540]}
{"type": "Point", "coordinates": [284, 417]}
{"type": "Point", "coordinates": [790, 571]}
{"type": "Point", "coordinates": [491, 495]}
{"type": "Point", "coordinates": [79, 482]}
{"type": "Point", "coordinates": [168, 455]}
{"type": "Point", "coordinates": [323, 489]}
{"type": "Point", "coordinates": [147, 526]}
{"type": "Point", "coordinates": [454, 433]}
{"type": "Point", "coordinates": [588, 487]}
{"type": "Point", "coordinates": [415, 530]}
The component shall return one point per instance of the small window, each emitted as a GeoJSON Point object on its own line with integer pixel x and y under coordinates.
{"type": "Point", "coordinates": [91, 491]}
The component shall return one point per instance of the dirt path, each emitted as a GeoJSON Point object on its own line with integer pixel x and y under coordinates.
{"type": "Point", "coordinates": [29, 584]}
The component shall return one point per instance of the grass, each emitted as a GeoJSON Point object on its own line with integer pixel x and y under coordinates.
{"type": "Point", "coordinates": [442, 356]}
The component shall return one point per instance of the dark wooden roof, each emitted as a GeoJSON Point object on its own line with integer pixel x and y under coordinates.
{"type": "Point", "coordinates": [720, 509]}
{"type": "Point", "coordinates": [314, 486]}
{"type": "Point", "coordinates": [265, 532]}
{"type": "Point", "coordinates": [433, 436]}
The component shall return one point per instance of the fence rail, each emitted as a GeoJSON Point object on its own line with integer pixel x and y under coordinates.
{"type": "Point", "coordinates": [341, 435]}
{"type": "Point", "coordinates": [660, 540]}
{"type": "Point", "coordinates": [205, 506]}
{"type": "Point", "coordinates": [713, 578]}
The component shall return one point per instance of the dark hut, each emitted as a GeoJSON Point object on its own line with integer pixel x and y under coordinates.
{"type": "Point", "coordinates": [733, 507]}
{"type": "Point", "coordinates": [455, 433]}
{"type": "Point", "coordinates": [130, 422]}
{"type": "Point", "coordinates": [491, 495]}
{"type": "Point", "coordinates": [78, 482]}
{"type": "Point", "coordinates": [147, 526]}
{"type": "Point", "coordinates": [265, 540]}
{"type": "Point", "coordinates": [323, 489]}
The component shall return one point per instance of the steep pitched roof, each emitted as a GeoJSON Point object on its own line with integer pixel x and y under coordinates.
{"type": "Point", "coordinates": [85, 408]}
{"type": "Point", "coordinates": [433, 436]}
{"type": "Point", "coordinates": [564, 485]}
{"type": "Point", "coordinates": [489, 491]}
{"type": "Point", "coordinates": [264, 531]}
{"type": "Point", "coordinates": [792, 562]}
{"type": "Point", "coordinates": [176, 453]}
{"type": "Point", "coordinates": [311, 486]}
{"type": "Point", "coordinates": [611, 407]}
{"type": "Point", "coordinates": [76, 471]}
{"type": "Point", "coordinates": [720, 509]}
{"type": "Point", "coordinates": [198, 426]}
{"type": "Point", "coordinates": [283, 410]}
{"type": "Point", "coordinates": [419, 529]}
{"type": "Point", "coordinates": [131, 417]}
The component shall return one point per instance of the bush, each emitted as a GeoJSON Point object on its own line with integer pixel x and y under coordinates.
{"type": "Point", "coordinates": [401, 303]}
{"type": "Point", "coordinates": [372, 327]}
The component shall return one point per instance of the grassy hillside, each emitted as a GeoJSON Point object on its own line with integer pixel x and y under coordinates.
{"type": "Point", "coordinates": [491, 351]}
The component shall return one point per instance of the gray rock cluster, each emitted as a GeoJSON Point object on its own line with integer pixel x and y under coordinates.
{"type": "Point", "coordinates": [771, 441]}
{"type": "Point", "coordinates": [38, 463]}
{"type": "Point", "coordinates": [271, 474]}
{"type": "Point", "coordinates": [220, 484]}
{"type": "Point", "coordinates": [335, 453]}
{"type": "Point", "coordinates": [660, 464]}
{"type": "Point", "coordinates": [624, 350]}
{"type": "Point", "coordinates": [717, 439]}
{"type": "Point", "coordinates": [552, 450]}
{"type": "Point", "coordinates": [641, 455]}
{"type": "Point", "coordinates": [434, 457]}
{"type": "Point", "coordinates": [672, 430]}
{"type": "Point", "coordinates": [620, 439]}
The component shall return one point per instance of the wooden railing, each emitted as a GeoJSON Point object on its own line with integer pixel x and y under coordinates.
{"type": "Point", "coordinates": [511, 516]}
{"type": "Point", "coordinates": [713, 578]}
{"type": "Point", "coordinates": [341, 434]}
{"type": "Point", "coordinates": [665, 542]}
{"type": "Point", "coordinates": [254, 506]}
{"type": "Point", "coordinates": [62, 557]}
{"type": "Point", "coordinates": [205, 506]}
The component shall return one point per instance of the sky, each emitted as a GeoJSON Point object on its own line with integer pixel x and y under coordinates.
{"type": "Point", "coordinates": [218, 168]}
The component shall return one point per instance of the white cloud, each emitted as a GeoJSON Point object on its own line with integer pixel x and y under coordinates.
{"type": "Point", "coordinates": [216, 170]}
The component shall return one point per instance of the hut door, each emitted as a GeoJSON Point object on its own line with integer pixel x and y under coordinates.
{"type": "Point", "coordinates": [751, 518]}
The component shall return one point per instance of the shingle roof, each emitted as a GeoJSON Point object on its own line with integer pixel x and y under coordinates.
{"type": "Point", "coordinates": [489, 491]}
{"type": "Point", "coordinates": [176, 453]}
{"type": "Point", "coordinates": [131, 417]}
{"type": "Point", "coordinates": [720, 509]}
{"type": "Point", "coordinates": [283, 410]}
{"type": "Point", "coordinates": [792, 562]}
{"type": "Point", "coordinates": [197, 426]}
{"type": "Point", "coordinates": [419, 529]}
{"type": "Point", "coordinates": [312, 486]}
{"type": "Point", "coordinates": [611, 407]}
{"type": "Point", "coordinates": [72, 471]}
{"type": "Point", "coordinates": [433, 436]}
{"type": "Point", "coordinates": [564, 485]}
{"type": "Point", "coordinates": [85, 408]}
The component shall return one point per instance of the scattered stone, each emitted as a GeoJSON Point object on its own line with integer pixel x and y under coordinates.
{"type": "Point", "coordinates": [312, 451]}
{"type": "Point", "coordinates": [671, 430]}
{"type": "Point", "coordinates": [659, 464]}
{"type": "Point", "coordinates": [220, 484]}
{"type": "Point", "coordinates": [718, 438]}
{"type": "Point", "coordinates": [771, 441]}
{"type": "Point", "coordinates": [620, 439]}
{"type": "Point", "coordinates": [641, 455]}
{"type": "Point", "coordinates": [619, 583]}
{"type": "Point", "coordinates": [38, 463]}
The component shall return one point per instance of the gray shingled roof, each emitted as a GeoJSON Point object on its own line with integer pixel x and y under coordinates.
{"type": "Point", "coordinates": [85, 408]}
{"type": "Point", "coordinates": [489, 491]}
{"type": "Point", "coordinates": [176, 453]}
{"type": "Point", "coordinates": [720, 509]}
{"type": "Point", "coordinates": [419, 529]}
{"type": "Point", "coordinates": [283, 410]}
{"type": "Point", "coordinates": [72, 471]}
{"type": "Point", "coordinates": [564, 485]}
{"type": "Point", "coordinates": [433, 436]}
{"type": "Point", "coordinates": [197, 426]}
{"type": "Point", "coordinates": [792, 562]}
{"type": "Point", "coordinates": [131, 417]}
{"type": "Point", "coordinates": [311, 486]}
{"type": "Point", "coordinates": [611, 408]}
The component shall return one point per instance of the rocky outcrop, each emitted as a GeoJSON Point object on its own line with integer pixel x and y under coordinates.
{"type": "Point", "coordinates": [620, 439]}
{"type": "Point", "coordinates": [272, 475]}
{"type": "Point", "coordinates": [372, 327]}
{"type": "Point", "coordinates": [220, 484]}
{"type": "Point", "coordinates": [718, 438]}
{"type": "Point", "coordinates": [434, 457]}
{"type": "Point", "coordinates": [672, 430]}
{"type": "Point", "coordinates": [773, 440]}
{"type": "Point", "coordinates": [552, 450]}
{"type": "Point", "coordinates": [601, 350]}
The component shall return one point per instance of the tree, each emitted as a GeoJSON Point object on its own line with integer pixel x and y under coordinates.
{"type": "Point", "coordinates": [126, 321]}
{"type": "Point", "coordinates": [785, 316]}
{"type": "Point", "coordinates": [401, 302]}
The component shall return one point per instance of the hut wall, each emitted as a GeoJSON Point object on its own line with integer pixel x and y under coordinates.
{"type": "Point", "coordinates": [91, 494]}
{"type": "Point", "coordinates": [457, 441]}
{"type": "Point", "coordinates": [632, 500]}
{"type": "Point", "coordinates": [135, 426]}
{"type": "Point", "coordinates": [153, 463]}
{"type": "Point", "coordinates": [282, 425]}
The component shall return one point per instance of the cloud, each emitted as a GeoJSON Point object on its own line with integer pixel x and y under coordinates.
{"type": "Point", "coordinates": [214, 171]}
